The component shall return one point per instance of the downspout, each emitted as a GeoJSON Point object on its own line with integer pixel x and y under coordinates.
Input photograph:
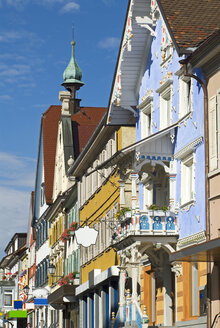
{"type": "Point", "coordinates": [184, 62]}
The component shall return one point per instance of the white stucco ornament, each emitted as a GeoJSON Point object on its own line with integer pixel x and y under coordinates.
{"type": "Point", "coordinates": [86, 236]}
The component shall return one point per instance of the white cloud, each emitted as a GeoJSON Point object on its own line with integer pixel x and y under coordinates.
{"type": "Point", "coordinates": [107, 2]}
{"type": "Point", "coordinates": [18, 4]}
{"type": "Point", "coordinates": [16, 171]}
{"type": "Point", "coordinates": [16, 183]}
{"type": "Point", "coordinates": [51, 2]}
{"type": "Point", "coordinates": [70, 7]}
{"type": "Point", "coordinates": [5, 97]}
{"type": "Point", "coordinates": [14, 207]}
{"type": "Point", "coordinates": [20, 72]}
{"type": "Point", "coordinates": [109, 43]}
{"type": "Point", "coordinates": [12, 36]}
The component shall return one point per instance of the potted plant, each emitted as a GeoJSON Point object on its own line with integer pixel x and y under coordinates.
{"type": "Point", "coordinates": [124, 212]}
{"type": "Point", "coordinates": [68, 278]}
{"type": "Point", "coordinates": [65, 235]}
{"type": "Point", "coordinates": [159, 209]}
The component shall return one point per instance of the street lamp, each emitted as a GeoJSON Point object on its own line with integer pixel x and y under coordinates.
{"type": "Point", "coordinates": [51, 269]}
{"type": "Point", "coordinates": [26, 289]}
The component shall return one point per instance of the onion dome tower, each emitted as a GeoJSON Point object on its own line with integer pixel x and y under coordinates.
{"type": "Point", "coordinates": [72, 80]}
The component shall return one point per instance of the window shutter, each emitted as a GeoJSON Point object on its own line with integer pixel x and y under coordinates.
{"type": "Point", "coordinates": [50, 237]}
{"type": "Point", "coordinates": [66, 266]}
{"type": "Point", "coordinates": [213, 156]}
{"type": "Point", "coordinates": [70, 264]}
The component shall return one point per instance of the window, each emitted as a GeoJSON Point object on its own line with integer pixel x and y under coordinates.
{"type": "Point", "coordinates": [214, 132]}
{"type": "Point", "coordinates": [8, 297]}
{"type": "Point", "coordinates": [185, 95]}
{"type": "Point", "coordinates": [187, 179]}
{"type": "Point", "coordinates": [165, 109]}
{"type": "Point", "coordinates": [146, 123]}
{"type": "Point", "coordinates": [146, 107]}
{"type": "Point", "coordinates": [165, 92]}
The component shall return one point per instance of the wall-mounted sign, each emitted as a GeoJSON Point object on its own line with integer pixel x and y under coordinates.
{"type": "Point", "coordinates": [18, 304]}
{"type": "Point", "coordinates": [29, 306]}
{"type": "Point", "coordinates": [17, 314]}
{"type": "Point", "coordinates": [86, 236]}
{"type": "Point", "coordinates": [40, 301]}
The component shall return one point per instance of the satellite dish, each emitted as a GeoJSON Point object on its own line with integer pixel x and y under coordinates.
{"type": "Point", "coordinates": [86, 236]}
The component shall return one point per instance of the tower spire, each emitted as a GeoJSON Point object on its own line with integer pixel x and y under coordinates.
{"type": "Point", "coordinates": [72, 78]}
{"type": "Point", "coordinates": [72, 74]}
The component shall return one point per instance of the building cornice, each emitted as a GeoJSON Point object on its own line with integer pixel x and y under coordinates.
{"type": "Point", "coordinates": [188, 149]}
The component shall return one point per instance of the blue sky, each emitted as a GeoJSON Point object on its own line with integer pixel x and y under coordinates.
{"type": "Point", "coordinates": [35, 49]}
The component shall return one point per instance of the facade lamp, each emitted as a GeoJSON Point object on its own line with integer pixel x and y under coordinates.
{"type": "Point", "coordinates": [52, 270]}
{"type": "Point", "coordinates": [26, 289]}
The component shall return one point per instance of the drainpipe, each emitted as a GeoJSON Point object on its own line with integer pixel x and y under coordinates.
{"type": "Point", "coordinates": [184, 62]}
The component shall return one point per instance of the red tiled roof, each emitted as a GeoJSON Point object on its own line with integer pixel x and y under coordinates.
{"type": "Point", "coordinates": [84, 123]}
{"type": "Point", "coordinates": [191, 21]}
{"type": "Point", "coordinates": [50, 129]}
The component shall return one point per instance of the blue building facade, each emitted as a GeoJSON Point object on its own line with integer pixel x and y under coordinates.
{"type": "Point", "coordinates": [167, 174]}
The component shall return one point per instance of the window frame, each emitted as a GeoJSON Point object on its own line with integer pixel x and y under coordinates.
{"type": "Point", "coordinates": [184, 99]}
{"type": "Point", "coordinates": [187, 196]}
{"type": "Point", "coordinates": [166, 93]}
{"type": "Point", "coordinates": [8, 292]}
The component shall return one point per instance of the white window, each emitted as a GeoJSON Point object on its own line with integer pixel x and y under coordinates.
{"type": "Point", "coordinates": [165, 109]}
{"type": "Point", "coordinates": [146, 121]}
{"type": "Point", "coordinates": [188, 179]}
{"type": "Point", "coordinates": [214, 124]}
{"type": "Point", "coordinates": [185, 95]}
{"type": "Point", "coordinates": [165, 92]}
{"type": "Point", "coordinates": [8, 297]}
{"type": "Point", "coordinates": [146, 108]}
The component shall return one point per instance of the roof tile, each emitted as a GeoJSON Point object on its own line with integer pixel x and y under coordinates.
{"type": "Point", "coordinates": [191, 22]}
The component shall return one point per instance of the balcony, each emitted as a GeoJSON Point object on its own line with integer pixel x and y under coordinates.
{"type": "Point", "coordinates": [148, 223]}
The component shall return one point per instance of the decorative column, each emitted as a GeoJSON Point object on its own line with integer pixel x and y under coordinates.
{"type": "Point", "coordinates": [172, 186]}
{"type": "Point", "coordinates": [135, 257]}
{"type": "Point", "coordinates": [133, 191]}
{"type": "Point", "coordinates": [96, 309]}
{"type": "Point", "coordinates": [122, 277]}
{"type": "Point", "coordinates": [167, 296]}
{"type": "Point", "coordinates": [177, 269]}
{"type": "Point", "coordinates": [122, 193]}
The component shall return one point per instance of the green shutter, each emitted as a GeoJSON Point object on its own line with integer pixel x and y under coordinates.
{"type": "Point", "coordinates": [66, 266]}
{"type": "Point", "coordinates": [73, 262]}
{"type": "Point", "coordinates": [69, 263]}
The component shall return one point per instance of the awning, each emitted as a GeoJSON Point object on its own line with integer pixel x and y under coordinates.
{"type": "Point", "coordinates": [209, 251]}
{"type": "Point", "coordinates": [158, 146]}
{"type": "Point", "coordinates": [56, 299]}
